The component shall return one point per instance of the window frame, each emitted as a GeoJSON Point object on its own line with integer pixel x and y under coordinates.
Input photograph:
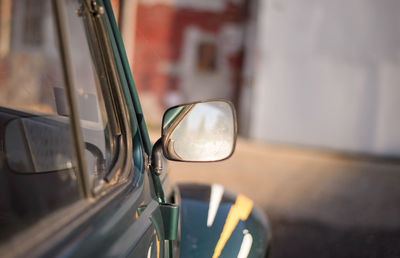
{"type": "Point", "coordinates": [122, 165]}
{"type": "Point", "coordinates": [113, 97]}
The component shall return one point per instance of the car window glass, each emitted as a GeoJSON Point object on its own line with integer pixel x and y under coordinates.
{"type": "Point", "coordinates": [38, 171]}
{"type": "Point", "coordinates": [91, 89]}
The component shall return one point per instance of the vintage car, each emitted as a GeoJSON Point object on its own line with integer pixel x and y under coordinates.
{"type": "Point", "coordinates": [79, 176]}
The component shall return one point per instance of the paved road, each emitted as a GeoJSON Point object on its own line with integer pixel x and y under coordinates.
{"type": "Point", "coordinates": [319, 204]}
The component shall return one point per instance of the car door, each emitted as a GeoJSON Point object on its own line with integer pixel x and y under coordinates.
{"type": "Point", "coordinates": [74, 177]}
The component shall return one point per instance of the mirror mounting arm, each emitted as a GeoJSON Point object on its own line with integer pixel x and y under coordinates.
{"type": "Point", "coordinates": [157, 165]}
{"type": "Point", "coordinates": [157, 158]}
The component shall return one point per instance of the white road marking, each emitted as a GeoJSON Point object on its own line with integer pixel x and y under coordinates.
{"type": "Point", "coordinates": [246, 244]}
{"type": "Point", "coordinates": [216, 195]}
{"type": "Point", "coordinates": [149, 251]}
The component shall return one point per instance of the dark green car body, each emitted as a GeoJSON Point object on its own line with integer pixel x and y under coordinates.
{"type": "Point", "coordinates": [126, 212]}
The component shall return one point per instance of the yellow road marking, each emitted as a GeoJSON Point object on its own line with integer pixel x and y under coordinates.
{"type": "Point", "coordinates": [240, 210]}
{"type": "Point", "coordinates": [158, 244]}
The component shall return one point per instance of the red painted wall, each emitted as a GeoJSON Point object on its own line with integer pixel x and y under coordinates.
{"type": "Point", "coordinates": [158, 40]}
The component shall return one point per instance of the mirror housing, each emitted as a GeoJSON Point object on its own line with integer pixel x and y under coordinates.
{"type": "Point", "coordinates": [202, 131]}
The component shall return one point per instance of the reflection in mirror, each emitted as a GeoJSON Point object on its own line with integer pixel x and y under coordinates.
{"type": "Point", "coordinates": [203, 131]}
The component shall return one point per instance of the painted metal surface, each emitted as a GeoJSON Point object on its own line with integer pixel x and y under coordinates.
{"type": "Point", "coordinates": [218, 223]}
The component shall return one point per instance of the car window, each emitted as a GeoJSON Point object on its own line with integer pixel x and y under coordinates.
{"type": "Point", "coordinates": [38, 168]}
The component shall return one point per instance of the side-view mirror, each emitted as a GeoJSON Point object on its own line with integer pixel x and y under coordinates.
{"type": "Point", "coordinates": [200, 131]}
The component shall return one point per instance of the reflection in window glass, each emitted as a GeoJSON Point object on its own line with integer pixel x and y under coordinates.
{"type": "Point", "coordinates": [38, 173]}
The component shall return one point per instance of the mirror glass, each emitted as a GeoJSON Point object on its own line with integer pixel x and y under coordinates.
{"type": "Point", "coordinates": [204, 131]}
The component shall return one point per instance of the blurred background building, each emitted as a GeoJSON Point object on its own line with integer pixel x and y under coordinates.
{"type": "Point", "coordinates": [320, 74]}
